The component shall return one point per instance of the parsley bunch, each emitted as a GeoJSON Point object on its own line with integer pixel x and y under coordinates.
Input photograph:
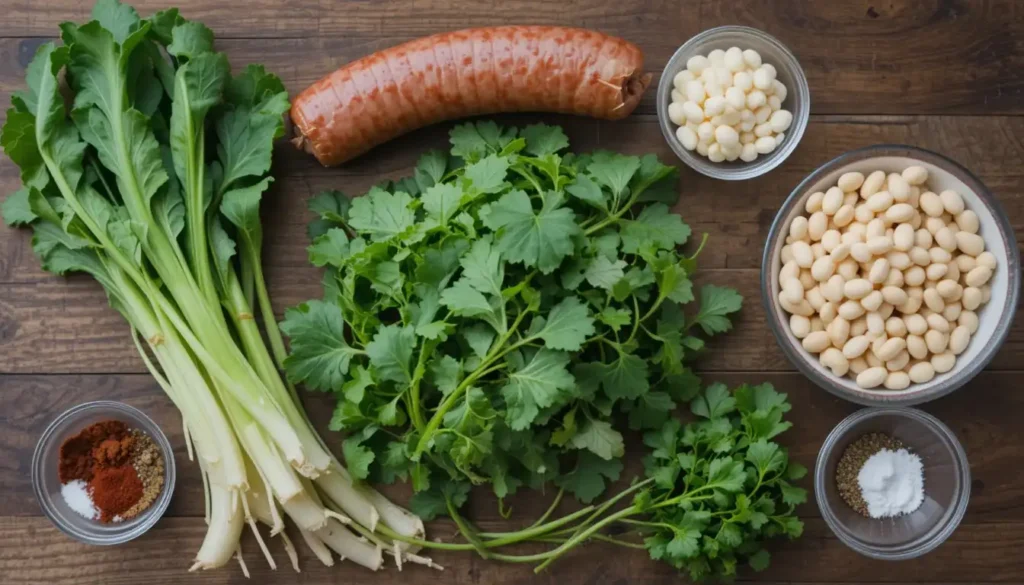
{"type": "Point", "coordinates": [485, 320]}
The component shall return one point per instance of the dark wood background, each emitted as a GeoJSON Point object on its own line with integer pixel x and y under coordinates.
{"type": "Point", "coordinates": [941, 74]}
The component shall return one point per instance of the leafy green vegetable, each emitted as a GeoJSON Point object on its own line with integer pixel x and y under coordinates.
{"type": "Point", "coordinates": [509, 304]}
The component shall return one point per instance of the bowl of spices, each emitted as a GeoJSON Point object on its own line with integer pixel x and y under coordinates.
{"type": "Point", "coordinates": [103, 472]}
{"type": "Point", "coordinates": [892, 483]}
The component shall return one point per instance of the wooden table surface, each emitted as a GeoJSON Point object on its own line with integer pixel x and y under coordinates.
{"type": "Point", "coordinates": [941, 74]}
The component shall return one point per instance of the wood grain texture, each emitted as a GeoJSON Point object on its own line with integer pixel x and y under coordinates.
{"type": "Point", "coordinates": [947, 75]}
{"type": "Point", "coordinates": [32, 551]}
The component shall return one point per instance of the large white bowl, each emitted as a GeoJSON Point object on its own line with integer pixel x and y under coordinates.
{"type": "Point", "coordinates": [994, 317]}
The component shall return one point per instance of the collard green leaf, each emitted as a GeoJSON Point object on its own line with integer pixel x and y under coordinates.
{"type": "Point", "coordinates": [17, 210]}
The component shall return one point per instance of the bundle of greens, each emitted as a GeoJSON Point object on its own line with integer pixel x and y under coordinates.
{"type": "Point", "coordinates": [490, 320]}
{"type": "Point", "coordinates": [152, 184]}
{"type": "Point", "coordinates": [486, 320]}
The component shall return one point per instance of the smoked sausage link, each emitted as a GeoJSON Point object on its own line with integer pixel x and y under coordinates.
{"type": "Point", "coordinates": [467, 73]}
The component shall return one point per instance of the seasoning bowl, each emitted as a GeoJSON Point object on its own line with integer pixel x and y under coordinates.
{"type": "Point", "coordinates": [994, 317]}
{"type": "Point", "coordinates": [47, 486]}
{"type": "Point", "coordinates": [788, 71]}
{"type": "Point", "coordinates": [947, 485]}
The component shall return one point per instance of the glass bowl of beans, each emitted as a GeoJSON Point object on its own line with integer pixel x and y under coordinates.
{"type": "Point", "coordinates": [890, 276]}
{"type": "Point", "coordinates": [733, 103]}
{"type": "Point", "coordinates": [944, 469]}
{"type": "Point", "coordinates": [113, 433]}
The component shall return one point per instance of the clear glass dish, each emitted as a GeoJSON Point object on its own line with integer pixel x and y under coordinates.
{"type": "Point", "coordinates": [47, 485]}
{"type": "Point", "coordinates": [789, 72]}
{"type": "Point", "coordinates": [947, 485]}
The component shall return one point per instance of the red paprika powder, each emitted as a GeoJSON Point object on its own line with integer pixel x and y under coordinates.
{"type": "Point", "coordinates": [100, 456]}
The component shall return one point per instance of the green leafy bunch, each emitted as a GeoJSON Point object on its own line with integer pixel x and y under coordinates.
{"type": "Point", "coordinates": [487, 319]}
{"type": "Point", "coordinates": [129, 186]}
{"type": "Point", "coordinates": [721, 485]}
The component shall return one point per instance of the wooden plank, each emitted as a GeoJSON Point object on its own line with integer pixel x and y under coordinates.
{"type": "Point", "coordinates": [737, 215]}
{"type": "Point", "coordinates": [990, 437]}
{"type": "Point", "coordinates": [905, 56]}
{"type": "Point", "coordinates": [32, 551]}
{"type": "Point", "coordinates": [65, 326]}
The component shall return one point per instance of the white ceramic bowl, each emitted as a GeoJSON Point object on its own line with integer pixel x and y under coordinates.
{"type": "Point", "coordinates": [994, 317]}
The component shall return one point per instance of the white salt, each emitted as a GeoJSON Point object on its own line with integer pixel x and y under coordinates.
{"type": "Point", "coordinates": [892, 483]}
{"type": "Point", "coordinates": [76, 494]}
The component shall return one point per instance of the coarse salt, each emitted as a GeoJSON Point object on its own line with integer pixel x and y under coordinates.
{"type": "Point", "coordinates": [892, 483]}
{"type": "Point", "coordinates": [76, 494]}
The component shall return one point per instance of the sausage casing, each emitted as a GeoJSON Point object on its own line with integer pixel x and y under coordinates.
{"type": "Point", "coordinates": [466, 73]}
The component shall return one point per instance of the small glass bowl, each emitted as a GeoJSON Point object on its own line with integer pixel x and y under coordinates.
{"type": "Point", "coordinates": [47, 486]}
{"type": "Point", "coordinates": [789, 72]}
{"type": "Point", "coordinates": [947, 485]}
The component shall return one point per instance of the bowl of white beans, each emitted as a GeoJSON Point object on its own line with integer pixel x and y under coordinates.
{"type": "Point", "coordinates": [733, 103]}
{"type": "Point", "coordinates": [890, 276]}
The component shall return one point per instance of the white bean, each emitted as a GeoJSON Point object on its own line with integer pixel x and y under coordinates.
{"type": "Point", "coordinates": [968, 221]}
{"type": "Point", "coordinates": [899, 187]}
{"type": "Point", "coordinates": [844, 216]}
{"type": "Point", "coordinates": [856, 346]}
{"type": "Point", "coordinates": [952, 312]}
{"type": "Point", "coordinates": [858, 365]}
{"type": "Point", "coordinates": [872, 184]}
{"type": "Point", "coordinates": [879, 245]}
{"type": "Point", "coordinates": [823, 268]}
{"type": "Point", "coordinates": [817, 224]}
{"type": "Point", "coordinates": [898, 363]}
{"type": "Point", "coordinates": [937, 322]}
{"type": "Point", "coordinates": [959, 339]}
{"type": "Point", "coordinates": [895, 327]}
{"type": "Point", "coordinates": [834, 360]}
{"type": "Point", "coordinates": [952, 202]}
{"type": "Point", "coordinates": [799, 325]}
{"type": "Point", "coordinates": [816, 341]}
{"type": "Point", "coordinates": [931, 204]}
{"type": "Point", "coordinates": [969, 319]}
{"type": "Point", "coordinates": [915, 175]}
{"type": "Point", "coordinates": [986, 259]}
{"type": "Point", "coordinates": [850, 310]}
{"type": "Point", "coordinates": [802, 308]}
{"type": "Point", "coordinates": [840, 252]}
{"type": "Point", "coordinates": [971, 298]}
{"type": "Point", "coordinates": [936, 341]}
{"type": "Point", "coordinates": [876, 324]}
{"type": "Point", "coordinates": [933, 300]}
{"type": "Point", "coordinates": [833, 289]}
{"type": "Point", "coordinates": [814, 297]}
{"type": "Point", "coordinates": [897, 381]}
{"type": "Point", "coordinates": [764, 144]}
{"type": "Point", "coordinates": [780, 120]}
{"type": "Point", "coordinates": [921, 372]}
{"type": "Point", "coordinates": [872, 377]}
{"type": "Point", "coordinates": [899, 213]}
{"type": "Point", "coordinates": [978, 276]}
{"type": "Point", "coordinates": [895, 278]}
{"type": "Point", "coordinates": [916, 324]}
{"type": "Point", "coordinates": [948, 289]}
{"type": "Point", "coordinates": [916, 347]}
{"type": "Point", "coordinates": [945, 239]}
{"type": "Point", "coordinates": [879, 271]}
{"type": "Point", "coordinates": [894, 295]}
{"type": "Point", "coordinates": [857, 288]}
{"type": "Point", "coordinates": [899, 260]}
{"type": "Point", "coordinates": [880, 201]}
{"type": "Point", "coordinates": [802, 254]}
{"type": "Point", "coordinates": [873, 301]}
{"type": "Point", "coordinates": [827, 312]}
{"type": "Point", "coordinates": [936, 271]}
{"type": "Point", "coordinates": [890, 348]}
{"type": "Point", "coordinates": [851, 181]}
{"type": "Point", "coordinates": [838, 331]}
{"type": "Point", "coordinates": [903, 237]}
{"type": "Point", "coordinates": [833, 201]}
{"type": "Point", "coordinates": [943, 362]}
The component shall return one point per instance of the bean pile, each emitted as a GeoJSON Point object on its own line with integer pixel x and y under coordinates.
{"type": "Point", "coordinates": [882, 278]}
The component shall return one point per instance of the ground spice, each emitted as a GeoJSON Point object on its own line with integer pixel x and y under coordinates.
{"type": "Point", "coordinates": [148, 462]}
{"type": "Point", "coordinates": [108, 456]}
{"type": "Point", "coordinates": [853, 460]}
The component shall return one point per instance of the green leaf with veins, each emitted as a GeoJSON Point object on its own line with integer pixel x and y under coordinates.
{"type": "Point", "coordinates": [655, 226]}
{"type": "Point", "coordinates": [603, 273]}
{"type": "Point", "coordinates": [329, 249]}
{"type": "Point", "coordinates": [242, 208]}
{"type": "Point", "coordinates": [382, 215]}
{"type": "Point", "coordinates": [441, 202]}
{"type": "Point", "coordinates": [190, 39]}
{"type": "Point", "coordinates": [487, 175]}
{"type": "Point", "coordinates": [716, 303]}
{"type": "Point", "coordinates": [320, 355]}
{"type": "Point", "coordinates": [542, 139]}
{"type": "Point", "coordinates": [613, 170]}
{"type": "Point", "coordinates": [540, 383]}
{"type": "Point", "coordinates": [567, 326]}
{"type": "Point", "coordinates": [474, 140]}
{"type": "Point", "coordinates": [541, 239]}
{"type": "Point", "coordinates": [586, 190]}
{"type": "Point", "coordinates": [483, 268]}
{"type": "Point", "coordinates": [17, 210]}
{"type": "Point", "coordinates": [598, 437]}
{"type": "Point", "coordinates": [357, 457]}
{"type": "Point", "coordinates": [390, 353]}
